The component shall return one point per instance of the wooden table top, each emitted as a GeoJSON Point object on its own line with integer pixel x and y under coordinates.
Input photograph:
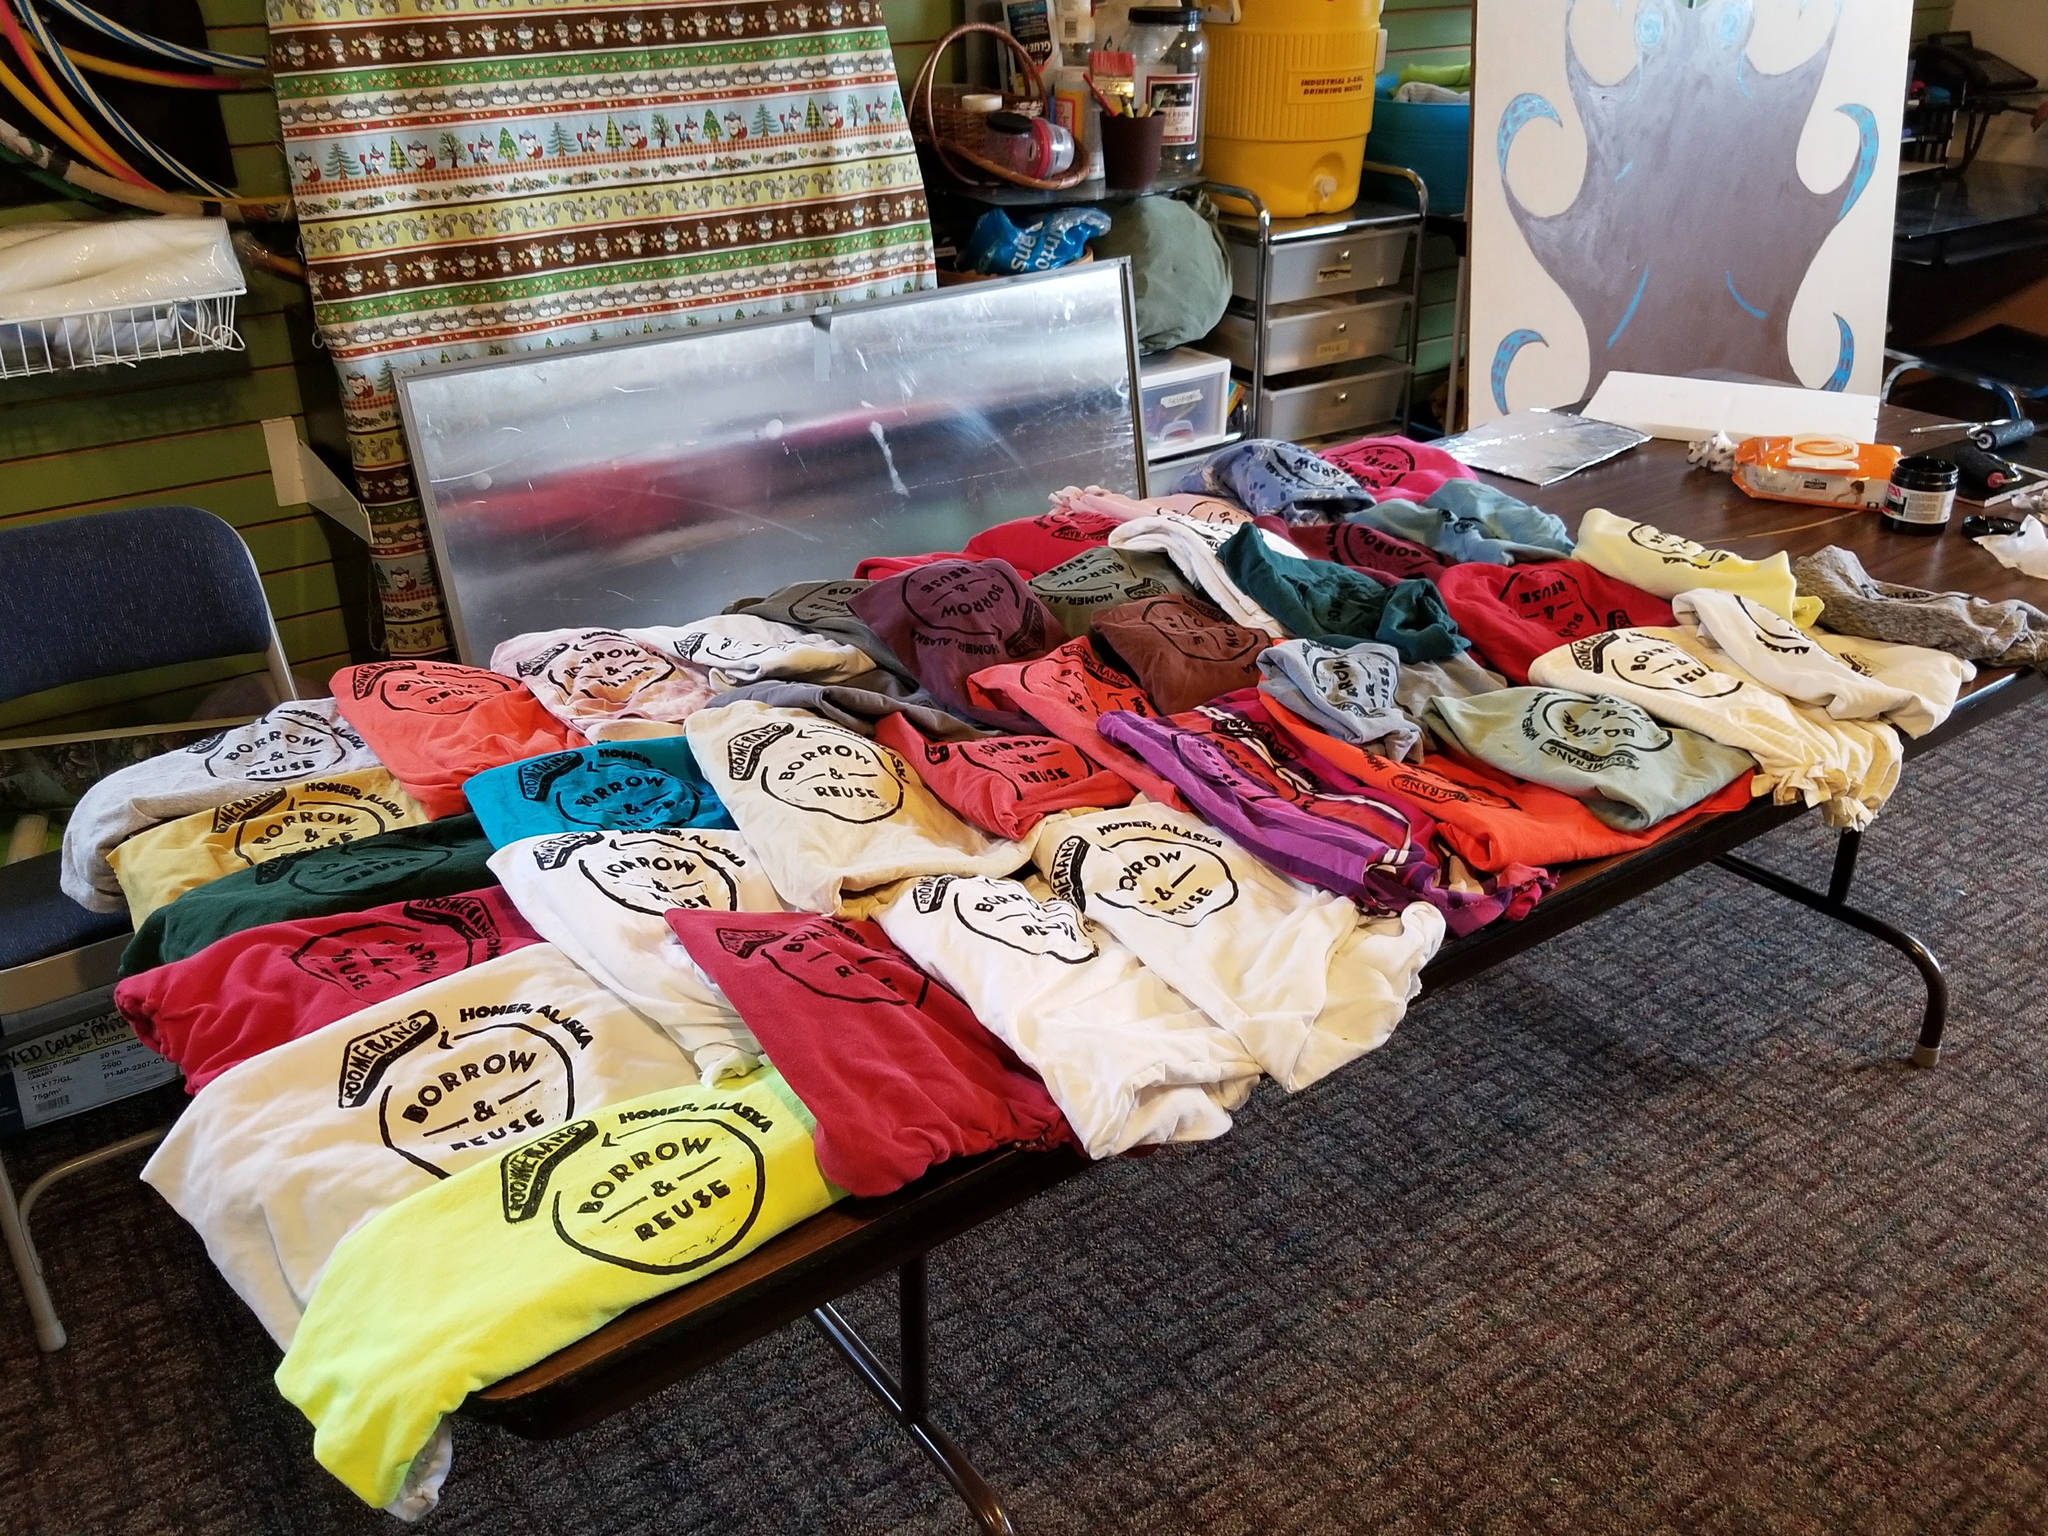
{"type": "Point", "coordinates": [667, 1338]}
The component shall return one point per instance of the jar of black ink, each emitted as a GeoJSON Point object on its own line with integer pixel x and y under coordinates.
{"type": "Point", "coordinates": [1921, 496]}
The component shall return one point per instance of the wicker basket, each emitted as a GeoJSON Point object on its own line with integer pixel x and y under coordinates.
{"type": "Point", "coordinates": [958, 138]}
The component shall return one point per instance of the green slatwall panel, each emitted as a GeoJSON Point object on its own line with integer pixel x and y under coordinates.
{"type": "Point", "coordinates": [183, 430]}
{"type": "Point", "coordinates": [914, 25]}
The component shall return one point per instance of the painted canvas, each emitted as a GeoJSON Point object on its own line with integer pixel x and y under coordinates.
{"type": "Point", "coordinates": [1681, 186]}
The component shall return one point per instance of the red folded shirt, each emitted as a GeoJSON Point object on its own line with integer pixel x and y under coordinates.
{"type": "Point", "coordinates": [1386, 557]}
{"type": "Point", "coordinates": [1396, 467]}
{"type": "Point", "coordinates": [435, 724]}
{"type": "Point", "coordinates": [949, 619]}
{"type": "Point", "coordinates": [898, 1073]}
{"type": "Point", "coordinates": [1066, 691]}
{"type": "Point", "coordinates": [1514, 613]}
{"type": "Point", "coordinates": [875, 567]}
{"type": "Point", "coordinates": [1005, 784]}
{"type": "Point", "coordinates": [261, 987]}
{"type": "Point", "coordinates": [1034, 545]}
{"type": "Point", "coordinates": [1490, 820]}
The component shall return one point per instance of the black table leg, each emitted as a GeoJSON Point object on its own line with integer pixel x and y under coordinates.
{"type": "Point", "coordinates": [1834, 902]}
{"type": "Point", "coordinates": [910, 1399]}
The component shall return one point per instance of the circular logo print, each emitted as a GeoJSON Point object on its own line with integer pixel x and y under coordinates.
{"type": "Point", "coordinates": [604, 666]}
{"type": "Point", "coordinates": [1007, 913]}
{"type": "Point", "coordinates": [1168, 877]}
{"type": "Point", "coordinates": [284, 746]}
{"type": "Point", "coordinates": [437, 687]}
{"type": "Point", "coordinates": [663, 1196]}
{"type": "Point", "coordinates": [301, 821]}
{"type": "Point", "coordinates": [652, 874]}
{"type": "Point", "coordinates": [377, 958]}
{"type": "Point", "coordinates": [826, 601]}
{"type": "Point", "coordinates": [1030, 765]}
{"type": "Point", "coordinates": [962, 597]}
{"type": "Point", "coordinates": [360, 868]}
{"type": "Point", "coordinates": [834, 773]}
{"type": "Point", "coordinates": [1187, 630]}
{"type": "Point", "coordinates": [1649, 662]}
{"type": "Point", "coordinates": [609, 788]}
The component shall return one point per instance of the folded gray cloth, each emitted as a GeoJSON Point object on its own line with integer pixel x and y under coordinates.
{"type": "Point", "coordinates": [857, 705]}
{"type": "Point", "coordinates": [2007, 634]}
{"type": "Point", "coordinates": [1349, 693]}
{"type": "Point", "coordinates": [1459, 677]}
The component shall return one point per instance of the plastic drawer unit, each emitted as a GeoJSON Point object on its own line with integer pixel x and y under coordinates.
{"type": "Point", "coordinates": [1326, 401]}
{"type": "Point", "coordinates": [1183, 398]}
{"type": "Point", "coordinates": [1317, 332]}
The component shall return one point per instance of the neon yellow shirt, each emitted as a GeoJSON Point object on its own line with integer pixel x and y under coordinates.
{"type": "Point", "coordinates": [498, 1266]}
{"type": "Point", "coordinates": [1665, 564]}
{"type": "Point", "coordinates": [156, 867]}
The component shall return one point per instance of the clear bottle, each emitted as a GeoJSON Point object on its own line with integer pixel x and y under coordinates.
{"type": "Point", "coordinates": [1170, 56]}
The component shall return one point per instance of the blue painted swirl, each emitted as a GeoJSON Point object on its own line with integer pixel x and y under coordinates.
{"type": "Point", "coordinates": [1866, 152]}
{"type": "Point", "coordinates": [1746, 307]}
{"type": "Point", "coordinates": [1504, 359]}
{"type": "Point", "coordinates": [1517, 115]}
{"type": "Point", "coordinates": [1630, 313]}
{"type": "Point", "coordinates": [1845, 357]}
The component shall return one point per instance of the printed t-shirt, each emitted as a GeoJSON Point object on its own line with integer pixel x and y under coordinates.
{"type": "Point", "coordinates": [1004, 785]}
{"type": "Point", "coordinates": [1192, 545]}
{"type": "Point", "coordinates": [1293, 973]}
{"type": "Point", "coordinates": [829, 812]}
{"type": "Point", "coordinates": [1666, 565]}
{"type": "Point", "coordinates": [949, 620]}
{"type": "Point", "coordinates": [1268, 476]}
{"type": "Point", "coordinates": [602, 897]}
{"type": "Point", "coordinates": [821, 607]}
{"type": "Point", "coordinates": [304, 739]}
{"type": "Point", "coordinates": [1034, 545]}
{"type": "Point", "coordinates": [1320, 600]}
{"type": "Point", "coordinates": [1129, 1061]}
{"type": "Point", "coordinates": [1848, 767]}
{"type": "Point", "coordinates": [1181, 650]}
{"type": "Point", "coordinates": [158, 866]}
{"type": "Point", "coordinates": [1067, 691]}
{"type": "Point", "coordinates": [607, 684]}
{"type": "Point", "coordinates": [1395, 466]}
{"type": "Point", "coordinates": [1491, 821]}
{"type": "Point", "coordinates": [1382, 556]}
{"type": "Point", "coordinates": [858, 705]}
{"type": "Point", "coordinates": [250, 991]}
{"type": "Point", "coordinates": [1455, 677]}
{"type": "Point", "coordinates": [1514, 613]}
{"type": "Point", "coordinates": [881, 567]}
{"type": "Point", "coordinates": [1077, 590]}
{"type": "Point", "coordinates": [1301, 815]}
{"type": "Point", "coordinates": [435, 724]}
{"type": "Point", "coordinates": [1909, 685]}
{"type": "Point", "coordinates": [2007, 634]}
{"type": "Point", "coordinates": [1468, 520]}
{"type": "Point", "coordinates": [741, 648]}
{"type": "Point", "coordinates": [479, 1276]}
{"type": "Point", "coordinates": [1198, 508]}
{"type": "Point", "coordinates": [442, 858]}
{"type": "Point", "coordinates": [898, 1075]}
{"type": "Point", "coordinates": [650, 783]}
{"type": "Point", "coordinates": [278, 1159]}
{"type": "Point", "coordinates": [1630, 771]}
{"type": "Point", "coordinates": [1349, 693]}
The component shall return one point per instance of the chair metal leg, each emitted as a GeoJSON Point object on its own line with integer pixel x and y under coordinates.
{"type": "Point", "coordinates": [1834, 903]}
{"type": "Point", "coordinates": [14, 1217]}
{"type": "Point", "coordinates": [49, 1331]}
{"type": "Point", "coordinates": [909, 1401]}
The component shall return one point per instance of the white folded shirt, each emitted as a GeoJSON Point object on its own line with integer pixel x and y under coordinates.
{"type": "Point", "coordinates": [1294, 973]}
{"type": "Point", "coordinates": [831, 812]}
{"type": "Point", "coordinates": [740, 649]}
{"type": "Point", "coordinates": [602, 897]}
{"type": "Point", "coordinates": [610, 684]}
{"type": "Point", "coordinates": [304, 739]}
{"type": "Point", "coordinates": [1848, 767]}
{"type": "Point", "coordinates": [1129, 1061]}
{"type": "Point", "coordinates": [1913, 687]}
{"type": "Point", "coordinates": [279, 1158]}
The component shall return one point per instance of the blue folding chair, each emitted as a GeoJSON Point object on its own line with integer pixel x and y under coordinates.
{"type": "Point", "coordinates": [81, 599]}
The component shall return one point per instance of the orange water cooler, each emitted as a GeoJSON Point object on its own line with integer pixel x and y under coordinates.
{"type": "Point", "coordinates": [1290, 100]}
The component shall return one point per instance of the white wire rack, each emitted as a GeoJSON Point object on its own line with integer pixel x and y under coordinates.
{"type": "Point", "coordinates": [134, 333]}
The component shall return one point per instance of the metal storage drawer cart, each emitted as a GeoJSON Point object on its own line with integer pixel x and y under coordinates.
{"type": "Point", "coordinates": [1321, 328]}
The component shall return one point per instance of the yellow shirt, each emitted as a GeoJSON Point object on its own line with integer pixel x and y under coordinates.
{"type": "Point", "coordinates": [1666, 565]}
{"type": "Point", "coordinates": [497, 1267]}
{"type": "Point", "coordinates": [156, 867]}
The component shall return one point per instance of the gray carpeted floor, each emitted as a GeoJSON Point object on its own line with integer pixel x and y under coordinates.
{"type": "Point", "coordinates": [1646, 1231]}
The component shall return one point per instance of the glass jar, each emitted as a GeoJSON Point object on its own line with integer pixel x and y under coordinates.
{"type": "Point", "coordinates": [1170, 57]}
